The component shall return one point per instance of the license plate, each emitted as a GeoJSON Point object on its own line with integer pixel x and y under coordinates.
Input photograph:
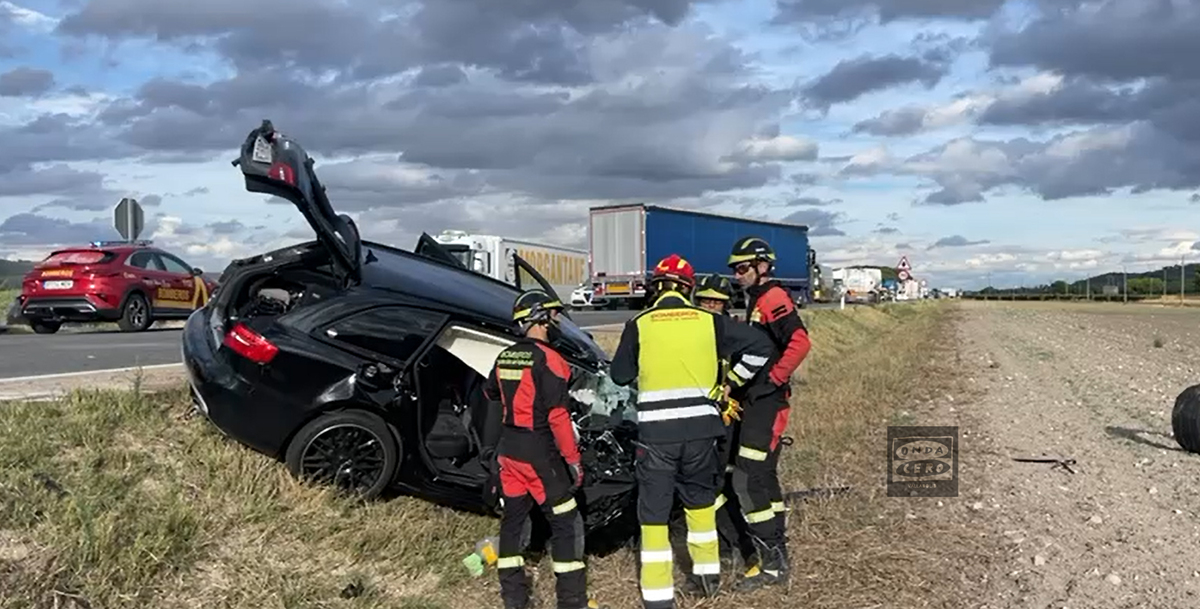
{"type": "Point", "coordinates": [62, 284]}
{"type": "Point", "coordinates": [617, 288]}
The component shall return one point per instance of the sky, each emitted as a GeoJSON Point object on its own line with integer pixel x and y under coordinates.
{"type": "Point", "coordinates": [1016, 142]}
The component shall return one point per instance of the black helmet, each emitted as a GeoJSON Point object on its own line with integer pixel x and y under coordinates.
{"type": "Point", "coordinates": [749, 249]}
{"type": "Point", "coordinates": [714, 286]}
{"type": "Point", "coordinates": [534, 306]}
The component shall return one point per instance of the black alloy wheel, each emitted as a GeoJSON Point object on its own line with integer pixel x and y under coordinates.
{"type": "Point", "coordinates": [352, 450]}
{"type": "Point", "coordinates": [135, 315]}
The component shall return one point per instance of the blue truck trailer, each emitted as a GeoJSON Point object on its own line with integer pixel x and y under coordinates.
{"type": "Point", "coordinates": [626, 241]}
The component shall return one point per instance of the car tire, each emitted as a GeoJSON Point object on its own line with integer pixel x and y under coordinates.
{"type": "Point", "coordinates": [135, 314]}
{"type": "Point", "coordinates": [1185, 419]}
{"type": "Point", "coordinates": [322, 436]}
{"type": "Point", "coordinates": [45, 327]}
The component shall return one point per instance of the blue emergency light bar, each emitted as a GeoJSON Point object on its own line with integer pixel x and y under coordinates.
{"type": "Point", "coordinates": [119, 243]}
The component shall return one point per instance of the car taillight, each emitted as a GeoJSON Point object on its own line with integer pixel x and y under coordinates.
{"type": "Point", "coordinates": [250, 344]}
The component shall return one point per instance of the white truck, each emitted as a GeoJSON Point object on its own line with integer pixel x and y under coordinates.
{"type": "Point", "coordinates": [859, 284]}
{"type": "Point", "coordinates": [563, 267]}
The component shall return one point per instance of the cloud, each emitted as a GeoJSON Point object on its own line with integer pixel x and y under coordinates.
{"type": "Point", "coordinates": [26, 82]}
{"type": "Point", "coordinates": [887, 230]}
{"type": "Point", "coordinates": [853, 78]}
{"type": "Point", "coordinates": [957, 241]}
{"type": "Point", "coordinates": [882, 11]}
{"type": "Point", "coordinates": [56, 179]}
{"type": "Point", "coordinates": [34, 229]}
{"type": "Point", "coordinates": [812, 201]}
{"type": "Point", "coordinates": [821, 223]}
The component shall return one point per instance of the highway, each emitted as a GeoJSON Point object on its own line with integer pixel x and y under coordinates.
{"type": "Point", "coordinates": [31, 355]}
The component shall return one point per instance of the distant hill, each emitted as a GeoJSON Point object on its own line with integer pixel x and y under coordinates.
{"type": "Point", "coordinates": [11, 272]}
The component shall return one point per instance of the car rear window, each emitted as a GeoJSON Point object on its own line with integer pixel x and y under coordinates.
{"type": "Point", "coordinates": [77, 257]}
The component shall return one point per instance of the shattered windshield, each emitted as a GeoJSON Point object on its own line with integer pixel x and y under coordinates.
{"type": "Point", "coordinates": [604, 403]}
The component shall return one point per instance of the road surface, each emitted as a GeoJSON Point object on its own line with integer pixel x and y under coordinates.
{"type": "Point", "coordinates": [24, 355]}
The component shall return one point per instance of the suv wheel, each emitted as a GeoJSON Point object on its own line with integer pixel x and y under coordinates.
{"type": "Point", "coordinates": [44, 327]}
{"type": "Point", "coordinates": [135, 315]}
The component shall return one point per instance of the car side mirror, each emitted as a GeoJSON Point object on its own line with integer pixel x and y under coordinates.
{"type": "Point", "coordinates": [196, 272]}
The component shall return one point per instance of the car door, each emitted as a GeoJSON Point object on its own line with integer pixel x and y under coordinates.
{"type": "Point", "coordinates": [429, 247]}
{"type": "Point", "coordinates": [185, 279]}
{"type": "Point", "coordinates": [154, 278]}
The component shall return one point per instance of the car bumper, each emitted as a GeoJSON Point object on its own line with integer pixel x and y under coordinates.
{"type": "Point", "coordinates": [225, 398]}
{"type": "Point", "coordinates": [67, 308]}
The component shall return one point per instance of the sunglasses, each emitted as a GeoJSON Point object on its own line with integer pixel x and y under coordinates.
{"type": "Point", "coordinates": [742, 269]}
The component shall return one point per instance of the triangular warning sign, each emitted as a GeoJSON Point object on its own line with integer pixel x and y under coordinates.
{"type": "Point", "coordinates": [903, 266]}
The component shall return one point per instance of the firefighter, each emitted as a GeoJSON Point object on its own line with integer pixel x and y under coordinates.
{"type": "Point", "coordinates": [769, 307]}
{"type": "Point", "coordinates": [538, 456]}
{"type": "Point", "coordinates": [673, 350]}
{"type": "Point", "coordinates": [714, 293]}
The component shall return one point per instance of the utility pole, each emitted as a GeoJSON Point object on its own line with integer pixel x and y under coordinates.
{"type": "Point", "coordinates": [1164, 284]}
{"type": "Point", "coordinates": [1181, 281]}
{"type": "Point", "coordinates": [1124, 285]}
{"type": "Point", "coordinates": [1089, 288]}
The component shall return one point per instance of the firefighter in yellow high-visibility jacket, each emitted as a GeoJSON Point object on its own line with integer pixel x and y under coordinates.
{"type": "Point", "coordinates": [674, 350]}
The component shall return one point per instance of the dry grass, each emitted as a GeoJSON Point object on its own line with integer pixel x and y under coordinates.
{"type": "Point", "coordinates": [114, 498]}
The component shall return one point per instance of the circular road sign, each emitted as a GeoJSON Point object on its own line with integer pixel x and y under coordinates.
{"type": "Point", "coordinates": [902, 275]}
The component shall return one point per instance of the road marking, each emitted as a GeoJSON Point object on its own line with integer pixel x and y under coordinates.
{"type": "Point", "coordinates": [603, 327]}
{"type": "Point", "coordinates": [62, 375]}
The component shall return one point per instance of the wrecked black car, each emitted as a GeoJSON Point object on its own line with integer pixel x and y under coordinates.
{"type": "Point", "coordinates": [362, 366]}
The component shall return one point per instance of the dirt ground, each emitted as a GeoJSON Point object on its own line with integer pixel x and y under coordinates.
{"type": "Point", "coordinates": [1094, 383]}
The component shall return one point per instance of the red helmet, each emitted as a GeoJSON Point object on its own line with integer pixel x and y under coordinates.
{"type": "Point", "coordinates": [675, 268]}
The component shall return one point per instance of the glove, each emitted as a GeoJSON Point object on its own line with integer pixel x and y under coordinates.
{"type": "Point", "coordinates": [732, 412]}
{"type": "Point", "coordinates": [576, 472]}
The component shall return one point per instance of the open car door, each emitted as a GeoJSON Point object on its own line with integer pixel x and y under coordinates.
{"type": "Point", "coordinates": [274, 164]}
{"type": "Point", "coordinates": [429, 247]}
{"type": "Point", "coordinates": [528, 277]}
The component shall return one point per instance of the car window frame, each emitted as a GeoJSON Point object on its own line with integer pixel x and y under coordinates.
{"type": "Point", "coordinates": [164, 257]}
{"type": "Point", "coordinates": [150, 257]}
{"type": "Point", "coordinates": [321, 332]}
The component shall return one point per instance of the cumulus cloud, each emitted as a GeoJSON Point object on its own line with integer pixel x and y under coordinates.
{"type": "Point", "coordinates": [26, 82]}
{"type": "Point", "coordinates": [820, 222]}
{"type": "Point", "coordinates": [956, 241]}
{"type": "Point", "coordinates": [853, 78]}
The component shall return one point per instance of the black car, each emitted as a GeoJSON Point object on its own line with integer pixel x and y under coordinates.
{"type": "Point", "coordinates": [362, 365]}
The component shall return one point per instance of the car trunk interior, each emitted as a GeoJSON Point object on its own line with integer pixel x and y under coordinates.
{"type": "Point", "coordinates": [277, 288]}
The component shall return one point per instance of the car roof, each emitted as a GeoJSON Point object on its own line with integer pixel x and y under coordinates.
{"type": "Point", "coordinates": [410, 273]}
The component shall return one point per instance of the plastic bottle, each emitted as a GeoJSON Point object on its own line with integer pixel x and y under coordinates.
{"type": "Point", "coordinates": [485, 554]}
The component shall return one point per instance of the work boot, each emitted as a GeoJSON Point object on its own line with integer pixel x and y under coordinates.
{"type": "Point", "coordinates": [769, 572]}
{"type": "Point", "coordinates": [705, 586]}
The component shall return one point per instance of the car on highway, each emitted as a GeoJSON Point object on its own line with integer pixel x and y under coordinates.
{"type": "Point", "coordinates": [584, 295]}
{"type": "Point", "coordinates": [361, 366]}
{"type": "Point", "coordinates": [133, 284]}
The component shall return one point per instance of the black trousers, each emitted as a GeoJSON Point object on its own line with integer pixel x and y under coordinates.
{"type": "Point", "coordinates": [756, 473]}
{"type": "Point", "coordinates": [524, 486]}
{"type": "Point", "coordinates": [694, 470]}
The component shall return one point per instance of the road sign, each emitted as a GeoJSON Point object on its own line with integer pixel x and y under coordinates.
{"type": "Point", "coordinates": [128, 219]}
{"type": "Point", "coordinates": [903, 265]}
{"type": "Point", "coordinates": [903, 275]}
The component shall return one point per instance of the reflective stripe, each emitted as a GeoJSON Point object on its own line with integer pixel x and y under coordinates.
{"type": "Point", "coordinates": [567, 567]}
{"type": "Point", "coordinates": [658, 594]}
{"type": "Point", "coordinates": [742, 371]}
{"type": "Point", "coordinates": [510, 562]}
{"type": "Point", "coordinates": [729, 468]}
{"type": "Point", "coordinates": [754, 360]}
{"type": "Point", "coordinates": [720, 501]}
{"type": "Point", "coordinates": [708, 568]}
{"type": "Point", "coordinates": [701, 537]}
{"type": "Point", "coordinates": [662, 395]}
{"type": "Point", "coordinates": [674, 414]}
{"type": "Point", "coordinates": [656, 556]}
{"type": "Point", "coordinates": [778, 506]}
{"type": "Point", "coordinates": [565, 506]}
{"type": "Point", "coordinates": [760, 516]}
{"type": "Point", "coordinates": [752, 453]}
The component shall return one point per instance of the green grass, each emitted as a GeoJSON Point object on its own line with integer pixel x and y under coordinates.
{"type": "Point", "coordinates": [159, 510]}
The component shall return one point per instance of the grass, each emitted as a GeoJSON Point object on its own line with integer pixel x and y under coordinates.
{"type": "Point", "coordinates": [116, 498]}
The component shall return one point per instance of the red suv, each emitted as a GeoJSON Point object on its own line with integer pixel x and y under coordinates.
{"type": "Point", "coordinates": [133, 284]}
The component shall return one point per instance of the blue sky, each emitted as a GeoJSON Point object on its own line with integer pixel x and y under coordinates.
{"type": "Point", "coordinates": [1040, 217]}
